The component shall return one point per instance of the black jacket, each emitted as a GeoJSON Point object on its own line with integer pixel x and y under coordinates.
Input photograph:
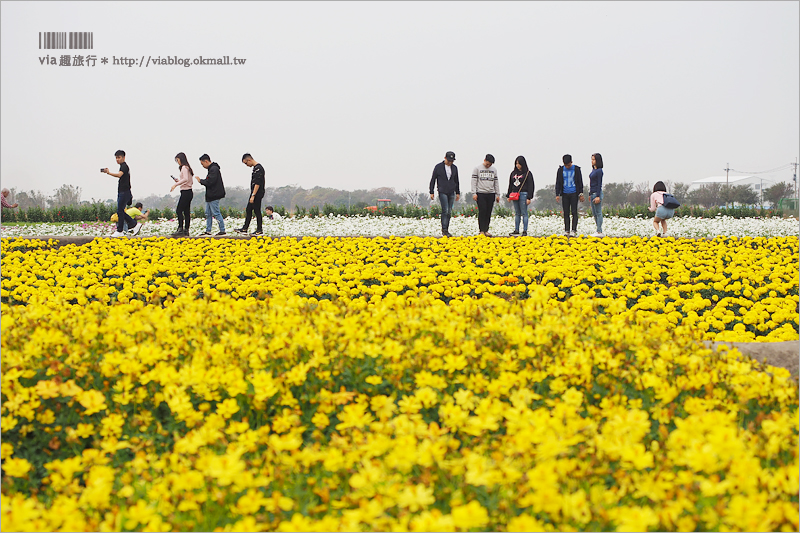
{"type": "Point", "coordinates": [560, 180]}
{"type": "Point", "coordinates": [439, 178]}
{"type": "Point", "coordinates": [215, 189]}
{"type": "Point", "coordinates": [522, 187]}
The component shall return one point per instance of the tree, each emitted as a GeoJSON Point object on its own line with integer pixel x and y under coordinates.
{"type": "Point", "coordinates": [31, 199]}
{"type": "Point", "coordinates": [545, 199]}
{"type": "Point", "coordinates": [616, 194]}
{"type": "Point", "coordinates": [66, 195]}
{"type": "Point", "coordinates": [708, 195]}
{"type": "Point", "coordinates": [640, 195]}
{"type": "Point", "coordinates": [774, 194]}
{"type": "Point", "coordinates": [681, 192]}
{"type": "Point", "coordinates": [744, 195]}
{"type": "Point", "coordinates": [413, 197]}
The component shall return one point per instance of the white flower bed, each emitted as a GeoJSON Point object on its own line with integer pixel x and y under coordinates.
{"type": "Point", "coordinates": [341, 226]}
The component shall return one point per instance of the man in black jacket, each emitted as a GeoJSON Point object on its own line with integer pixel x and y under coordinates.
{"type": "Point", "coordinates": [445, 177]}
{"type": "Point", "coordinates": [215, 191]}
{"type": "Point", "coordinates": [256, 195]}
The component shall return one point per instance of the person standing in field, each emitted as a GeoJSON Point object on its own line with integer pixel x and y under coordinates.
{"type": "Point", "coordinates": [596, 193]}
{"type": "Point", "coordinates": [184, 209]}
{"type": "Point", "coordinates": [124, 196]}
{"type": "Point", "coordinates": [215, 191]}
{"type": "Point", "coordinates": [256, 195]}
{"type": "Point", "coordinates": [569, 189]}
{"type": "Point", "coordinates": [487, 192]}
{"type": "Point", "coordinates": [520, 193]}
{"type": "Point", "coordinates": [657, 205]}
{"type": "Point", "coordinates": [3, 195]}
{"type": "Point", "coordinates": [445, 178]}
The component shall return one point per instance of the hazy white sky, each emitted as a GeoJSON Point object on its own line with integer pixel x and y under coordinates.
{"type": "Point", "coordinates": [366, 94]}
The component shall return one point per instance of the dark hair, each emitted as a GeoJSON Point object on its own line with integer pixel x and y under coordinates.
{"type": "Point", "coordinates": [567, 159]}
{"type": "Point", "coordinates": [138, 205]}
{"type": "Point", "coordinates": [269, 208]}
{"type": "Point", "coordinates": [598, 161]}
{"type": "Point", "coordinates": [247, 156]}
{"type": "Point", "coordinates": [120, 152]}
{"type": "Point", "coordinates": [489, 158]}
{"type": "Point", "coordinates": [182, 158]}
{"type": "Point", "coordinates": [205, 157]}
{"type": "Point", "coordinates": [659, 186]}
{"type": "Point", "coordinates": [521, 160]}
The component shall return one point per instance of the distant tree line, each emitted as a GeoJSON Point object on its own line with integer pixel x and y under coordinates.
{"type": "Point", "coordinates": [296, 199]}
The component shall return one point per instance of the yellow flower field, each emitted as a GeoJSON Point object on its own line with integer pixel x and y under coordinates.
{"type": "Point", "coordinates": [397, 384]}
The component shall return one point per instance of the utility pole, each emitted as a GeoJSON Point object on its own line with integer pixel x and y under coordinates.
{"type": "Point", "coordinates": [727, 187]}
{"type": "Point", "coordinates": [794, 179]}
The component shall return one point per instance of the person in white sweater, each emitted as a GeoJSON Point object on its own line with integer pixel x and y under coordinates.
{"type": "Point", "coordinates": [486, 191]}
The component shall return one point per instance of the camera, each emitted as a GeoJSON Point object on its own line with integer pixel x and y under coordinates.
{"type": "Point", "coordinates": [102, 170]}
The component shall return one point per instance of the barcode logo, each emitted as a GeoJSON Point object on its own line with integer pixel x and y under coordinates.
{"type": "Point", "coordinates": [80, 40]}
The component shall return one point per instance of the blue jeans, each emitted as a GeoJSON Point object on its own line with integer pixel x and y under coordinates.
{"type": "Point", "coordinates": [122, 217]}
{"type": "Point", "coordinates": [447, 201]}
{"type": "Point", "coordinates": [597, 210]}
{"type": "Point", "coordinates": [212, 211]}
{"type": "Point", "coordinates": [521, 211]}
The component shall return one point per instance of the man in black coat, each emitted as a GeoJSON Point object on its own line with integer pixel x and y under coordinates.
{"type": "Point", "coordinates": [215, 191]}
{"type": "Point", "coordinates": [445, 177]}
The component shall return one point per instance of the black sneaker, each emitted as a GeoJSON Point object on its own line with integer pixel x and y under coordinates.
{"type": "Point", "coordinates": [205, 234]}
{"type": "Point", "coordinates": [257, 232]}
{"type": "Point", "coordinates": [220, 233]}
{"type": "Point", "coordinates": [179, 233]}
{"type": "Point", "coordinates": [447, 234]}
{"type": "Point", "coordinates": [514, 234]}
{"type": "Point", "coordinates": [240, 230]}
{"type": "Point", "coordinates": [524, 233]}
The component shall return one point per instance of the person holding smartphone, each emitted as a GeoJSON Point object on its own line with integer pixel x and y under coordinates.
{"type": "Point", "coordinates": [184, 208]}
{"type": "Point", "coordinates": [124, 196]}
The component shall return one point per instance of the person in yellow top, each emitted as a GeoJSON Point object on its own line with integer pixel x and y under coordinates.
{"type": "Point", "coordinates": [135, 212]}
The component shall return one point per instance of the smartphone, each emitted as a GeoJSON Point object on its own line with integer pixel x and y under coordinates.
{"type": "Point", "coordinates": [174, 178]}
{"type": "Point", "coordinates": [102, 169]}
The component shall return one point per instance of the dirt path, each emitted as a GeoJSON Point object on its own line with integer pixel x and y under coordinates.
{"type": "Point", "coordinates": [782, 354]}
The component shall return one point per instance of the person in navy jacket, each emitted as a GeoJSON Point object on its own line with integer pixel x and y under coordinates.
{"type": "Point", "coordinates": [445, 178]}
{"type": "Point", "coordinates": [569, 189]}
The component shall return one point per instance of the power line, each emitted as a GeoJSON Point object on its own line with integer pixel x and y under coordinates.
{"type": "Point", "coordinates": [784, 167]}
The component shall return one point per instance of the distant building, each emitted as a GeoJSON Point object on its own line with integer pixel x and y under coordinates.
{"type": "Point", "coordinates": [755, 181]}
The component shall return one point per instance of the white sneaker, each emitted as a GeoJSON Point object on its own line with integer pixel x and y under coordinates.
{"type": "Point", "coordinates": [573, 234]}
{"type": "Point", "coordinates": [137, 228]}
{"type": "Point", "coordinates": [117, 234]}
{"type": "Point", "coordinates": [598, 234]}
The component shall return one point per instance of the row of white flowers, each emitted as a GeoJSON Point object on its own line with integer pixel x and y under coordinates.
{"type": "Point", "coordinates": [341, 226]}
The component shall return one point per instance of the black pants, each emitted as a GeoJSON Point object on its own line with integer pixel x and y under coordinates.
{"type": "Point", "coordinates": [253, 207]}
{"type": "Point", "coordinates": [485, 206]}
{"type": "Point", "coordinates": [184, 209]}
{"type": "Point", "coordinates": [570, 201]}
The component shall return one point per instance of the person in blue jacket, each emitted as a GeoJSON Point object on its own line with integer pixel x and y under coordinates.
{"type": "Point", "coordinates": [596, 193]}
{"type": "Point", "coordinates": [445, 178]}
{"type": "Point", "coordinates": [569, 189]}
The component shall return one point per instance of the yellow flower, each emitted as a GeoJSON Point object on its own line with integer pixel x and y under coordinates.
{"type": "Point", "coordinates": [16, 467]}
{"type": "Point", "coordinates": [470, 516]}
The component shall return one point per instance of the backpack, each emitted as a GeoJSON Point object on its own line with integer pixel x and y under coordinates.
{"type": "Point", "coordinates": [670, 202]}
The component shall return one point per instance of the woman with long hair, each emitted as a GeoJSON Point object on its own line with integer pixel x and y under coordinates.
{"type": "Point", "coordinates": [520, 193]}
{"type": "Point", "coordinates": [184, 208]}
{"type": "Point", "coordinates": [657, 205]}
{"type": "Point", "coordinates": [596, 192]}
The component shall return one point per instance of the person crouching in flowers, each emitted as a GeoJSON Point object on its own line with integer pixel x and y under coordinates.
{"type": "Point", "coordinates": [657, 205]}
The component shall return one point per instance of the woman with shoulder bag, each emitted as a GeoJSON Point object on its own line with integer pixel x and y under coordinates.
{"type": "Point", "coordinates": [184, 209]}
{"type": "Point", "coordinates": [520, 193]}
{"type": "Point", "coordinates": [662, 213]}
